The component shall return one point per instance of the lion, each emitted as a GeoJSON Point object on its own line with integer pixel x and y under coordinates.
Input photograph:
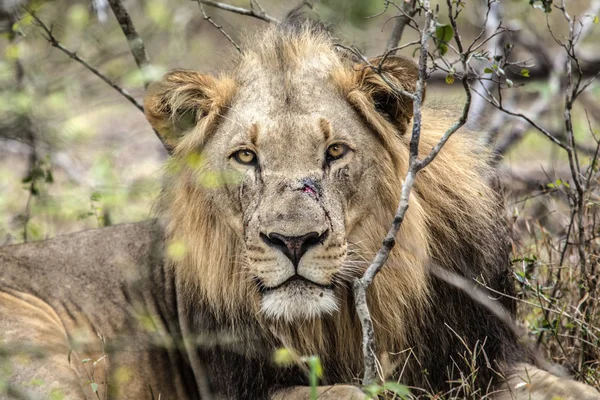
{"type": "Point", "coordinates": [285, 173]}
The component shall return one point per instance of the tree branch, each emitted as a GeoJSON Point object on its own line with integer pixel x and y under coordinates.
{"type": "Point", "coordinates": [136, 44]}
{"type": "Point", "coordinates": [259, 14]}
{"type": "Point", "coordinates": [360, 285]}
{"type": "Point", "coordinates": [55, 43]}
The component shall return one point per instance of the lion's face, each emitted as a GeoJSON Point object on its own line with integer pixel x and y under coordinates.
{"type": "Point", "coordinates": [292, 148]}
{"type": "Point", "coordinates": [302, 175]}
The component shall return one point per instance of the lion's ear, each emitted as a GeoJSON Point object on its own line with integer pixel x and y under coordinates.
{"type": "Point", "coordinates": [402, 72]}
{"type": "Point", "coordinates": [180, 100]}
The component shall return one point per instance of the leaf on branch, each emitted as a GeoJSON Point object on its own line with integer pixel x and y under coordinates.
{"type": "Point", "coordinates": [450, 79]}
{"type": "Point", "coordinates": [443, 48]}
{"type": "Point", "coordinates": [525, 72]}
{"type": "Point", "coordinates": [444, 32]}
{"type": "Point", "coordinates": [509, 83]}
{"type": "Point", "coordinates": [488, 71]}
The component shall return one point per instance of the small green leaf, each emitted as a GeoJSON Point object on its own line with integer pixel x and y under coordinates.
{"type": "Point", "coordinates": [488, 71]}
{"type": "Point", "coordinates": [525, 72]}
{"type": "Point", "coordinates": [595, 20]}
{"type": "Point", "coordinates": [86, 360]}
{"type": "Point", "coordinates": [397, 388]}
{"type": "Point", "coordinates": [509, 83]}
{"type": "Point", "coordinates": [450, 79]}
{"type": "Point", "coordinates": [443, 48]}
{"type": "Point", "coordinates": [444, 32]}
{"type": "Point", "coordinates": [94, 387]}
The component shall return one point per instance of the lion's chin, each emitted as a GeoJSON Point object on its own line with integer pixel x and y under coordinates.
{"type": "Point", "coordinates": [298, 300]}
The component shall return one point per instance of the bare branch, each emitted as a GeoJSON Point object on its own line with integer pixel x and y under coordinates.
{"type": "Point", "coordinates": [360, 285]}
{"type": "Point", "coordinates": [493, 101]}
{"type": "Point", "coordinates": [136, 44]}
{"type": "Point", "coordinates": [55, 43]}
{"type": "Point", "coordinates": [259, 14]}
{"type": "Point", "coordinates": [219, 27]}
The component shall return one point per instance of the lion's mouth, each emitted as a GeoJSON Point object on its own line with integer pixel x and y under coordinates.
{"type": "Point", "coordinates": [294, 280]}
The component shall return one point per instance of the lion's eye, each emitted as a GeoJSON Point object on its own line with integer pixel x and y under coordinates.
{"type": "Point", "coordinates": [244, 156]}
{"type": "Point", "coordinates": [336, 151]}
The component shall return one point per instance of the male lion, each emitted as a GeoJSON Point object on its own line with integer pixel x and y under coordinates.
{"type": "Point", "coordinates": [284, 177]}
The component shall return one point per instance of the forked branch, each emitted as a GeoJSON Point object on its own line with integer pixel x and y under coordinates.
{"type": "Point", "coordinates": [415, 165]}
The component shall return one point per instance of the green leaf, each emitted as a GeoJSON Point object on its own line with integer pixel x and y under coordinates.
{"type": "Point", "coordinates": [525, 72]}
{"type": "Point", "coordinates": [450, 79]}
{"type": "Point", "coordinates": [373, 391]}
{"type": "Point", "coordinates": [509, 83]}
{"type": "Point", "coordinates": [397, 388]}
{"type": "Point", "coordinates": [443, 48]}
{"type": "Point", "coordinates": [488, 71]}
{"type": "Point", "coordinates": [94, 387]}
{"type": "Point", "coordinates": [444, 32]}
{"type": "Point", "coordinates": [595, 20]}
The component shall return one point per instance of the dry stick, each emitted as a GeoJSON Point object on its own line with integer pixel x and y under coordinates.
{"type": "Point", "coordinates": [219, 27]}
{"type": "Point", "coordinates": [260, 14]}
{"type": "Point", "coordinates": [136, 44]}
{"type": "Point", "coordinates": [360, 285]}
{"type": "Point", "coordinates": [55, 43]}
{"type": "Point", "coordinates": [409, 10]}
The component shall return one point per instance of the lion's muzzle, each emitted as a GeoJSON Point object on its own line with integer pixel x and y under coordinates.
{"type": "Point", "coordinates": [294, 247]}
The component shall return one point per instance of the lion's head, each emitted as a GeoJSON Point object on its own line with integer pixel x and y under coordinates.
{"type": "Point", "coordinates": [286, 172]}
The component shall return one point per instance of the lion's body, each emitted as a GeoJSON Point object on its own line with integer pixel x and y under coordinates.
{"type": "Point", "coordinates": [200, 301]}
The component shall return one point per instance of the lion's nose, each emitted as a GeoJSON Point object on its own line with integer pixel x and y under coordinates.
{"type": "Point", "coordinates": [293, 247]}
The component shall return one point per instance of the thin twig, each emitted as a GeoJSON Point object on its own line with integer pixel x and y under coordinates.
{"type": "Point", "coordinates": [260, 14]}
{"type": "Point", "coordinates": [360, 285]}
{"type": "Point", "coordinates": [219, 27]}
{"type": "Point", "coordinates": [55, 43]}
